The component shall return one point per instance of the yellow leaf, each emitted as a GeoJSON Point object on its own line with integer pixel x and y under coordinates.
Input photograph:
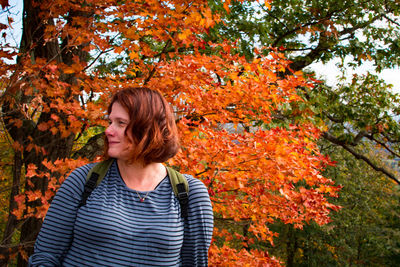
{"type": "Point", "coordinates": [69, 70]}
{"type": "Point", "coordinates": [184, 34]}
{"type": "Point", "coordinates": [133, 55]}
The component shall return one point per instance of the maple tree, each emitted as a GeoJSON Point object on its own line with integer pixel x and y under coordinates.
{"type": "Point", "coordinates": [352, 33]}
{"type": "Point", "coordinates": [74, 55]}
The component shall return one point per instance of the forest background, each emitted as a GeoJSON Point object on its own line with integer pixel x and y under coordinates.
{"type": "Point", "coordinates": [301, 172]}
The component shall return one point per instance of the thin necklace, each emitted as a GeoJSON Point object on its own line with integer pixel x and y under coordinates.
{"type": "Point", "coordinates": [142, 198]}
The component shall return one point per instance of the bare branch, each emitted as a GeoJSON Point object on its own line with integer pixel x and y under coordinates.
{"type": "Point", "coordinates": [372, 138]}
{"type": "Point", "coordinates": [359, 156]}
{"type": "Point", "coordinates": [391, 20]}
{"type": "Point", "coordinates": [167, 44]}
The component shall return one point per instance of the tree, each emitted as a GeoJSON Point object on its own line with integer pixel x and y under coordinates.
{"type": "Point", "coordinates": [73, 55]}
{"type": "Point", "coordinates": [355, 32]}
{"type": "Point", "coordinates": [366, 230]}
{"type": "Point", "coordinates": [361, 116]}
{"type": "Point", "coordinates": [364, 233]}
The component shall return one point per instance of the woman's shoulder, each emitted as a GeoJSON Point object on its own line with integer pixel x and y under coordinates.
{"type": "Point", "coordinates": [82, 171]}
{"type": "Point", "coordinates": [200, 207]}
{"type": "Point", "coordinates": [197, 190]}
{"type": "Point", "coordinates": [77, 177]}
{"type": "Point", "coordinates": [194, 183]}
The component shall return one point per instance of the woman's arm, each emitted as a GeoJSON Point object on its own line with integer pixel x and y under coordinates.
{"type": "Point", "coordinates": [198, 227]}
{"type": "Point", "coordinates": [56, 233]}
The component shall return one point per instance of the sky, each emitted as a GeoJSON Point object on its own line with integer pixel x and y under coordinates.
{"type": "Point", "coordinates": [330, 72]}
{"type": "Point", "coordinates": [13, 33]}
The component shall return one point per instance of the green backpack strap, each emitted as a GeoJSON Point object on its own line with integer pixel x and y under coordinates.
{"type": "Point", "coordinates": [180, 187]}
{"type": "Point", "coordinates": [94, 178]}
{"type": "Point", "coordinates": [179, 184]}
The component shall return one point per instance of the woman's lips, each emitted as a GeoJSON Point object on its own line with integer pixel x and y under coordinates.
{"type": "Point", "coordinates": [112, 142]}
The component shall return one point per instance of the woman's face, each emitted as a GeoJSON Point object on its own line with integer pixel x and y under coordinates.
{"type": "Point", "coordinates": [119, 145]}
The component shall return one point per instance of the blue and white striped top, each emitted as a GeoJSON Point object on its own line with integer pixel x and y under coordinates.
{"type": "Point", "coordinates": [115, 229]}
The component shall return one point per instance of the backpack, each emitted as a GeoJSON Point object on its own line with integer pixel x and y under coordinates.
{"type": "Point", "coordinates": [179, 184]}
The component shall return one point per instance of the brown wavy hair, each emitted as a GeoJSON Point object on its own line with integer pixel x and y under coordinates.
{"type": "Point", "coordinates": [152, 125]}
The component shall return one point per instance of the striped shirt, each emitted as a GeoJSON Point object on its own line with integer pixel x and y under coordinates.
{"type": "Point", "coordinates": [115, 229]}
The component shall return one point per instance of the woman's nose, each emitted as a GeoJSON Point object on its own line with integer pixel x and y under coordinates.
{"type": "Point", "coordinates": [109, 130]}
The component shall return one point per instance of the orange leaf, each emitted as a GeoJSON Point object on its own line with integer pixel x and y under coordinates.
{"type": "Point", "coordinates": [43, 126]}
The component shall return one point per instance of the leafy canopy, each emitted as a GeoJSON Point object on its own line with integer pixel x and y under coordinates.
{"type": "Point", "coordinates": [74, 55]}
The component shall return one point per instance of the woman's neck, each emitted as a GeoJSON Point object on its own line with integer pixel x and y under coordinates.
{"type": "Point", "coordinates": [141, 177]}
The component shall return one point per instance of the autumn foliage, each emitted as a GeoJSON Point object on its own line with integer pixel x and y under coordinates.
{"type": "Point", "coordinates": [78, 53]}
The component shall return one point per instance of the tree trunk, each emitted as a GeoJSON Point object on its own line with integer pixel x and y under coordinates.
{"type": "Point", "coordinates": [33, 46]}
{"type": "Point", "coordinates": [291, 247]}
{"type": "Point", "coordinates": [12, 219]}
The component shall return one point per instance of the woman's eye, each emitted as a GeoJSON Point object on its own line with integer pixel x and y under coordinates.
{"type": "Point", "coordinates": [122, 123]}
{"type": "Point", "coordinates": [117, 122]}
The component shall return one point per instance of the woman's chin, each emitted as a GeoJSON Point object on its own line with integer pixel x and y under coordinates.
{"type": "Point", "coordinates": [118, 155]}
{"type": "Point", "coordinates": [112, 154]}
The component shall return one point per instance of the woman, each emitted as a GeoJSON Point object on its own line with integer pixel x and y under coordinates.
{"type": "Point", "coordinates": [132, 218]}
